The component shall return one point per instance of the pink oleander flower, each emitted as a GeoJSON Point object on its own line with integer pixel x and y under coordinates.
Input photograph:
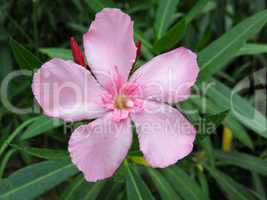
{"type": "Point", "coordinates": [106, 93]}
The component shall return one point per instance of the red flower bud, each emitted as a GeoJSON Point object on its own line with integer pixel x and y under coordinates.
{"type": "Point", "coordinates": [138, 51]}
{"type": "Point", "coordinates": [77, 53]}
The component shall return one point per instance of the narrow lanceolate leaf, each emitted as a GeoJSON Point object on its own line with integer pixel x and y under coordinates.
{"type": "Point", "coordinates": [258, 185]}
{"type": "Point", "coordinates": [49, 154]}
{"type": "Point", "coordinates": [238, 131]}
{"type": "Point", "coordinates": [176, 33]}
{"type": "Point", "coordinates": [80, 189]}
{"type": "Point", "coordinates": [57, 53]}
{"type": "Point", "coordinates": [139, 36]}
{"type": "Point", "coordinates": [217, 118]}
{"type": "Point", "coordinates": [204, 184]}
{"type": "Point", "coordinates": [171, 38]}
{"type": "Point", "coordinates": [196, 10]}
{"type": "Point", "coordinates": [184, 185]}
{"type": "Point", "coordinates": [6, 63]}
{"type": "Point", "coordinates": [40, 126]}
{"type": "Point", "coordinates": [229, 186]}
{"type": "Point", "coordinates": [31, 181]}
{"type": "Point", "coordinates": [244, 161]}
{"type": "Point", "coordinates": [71, 188]}
{"type": "Point", "coordinates": [212, 107]}
{"type": "Point", "coordinates": [146, 46]}
{"type": "Point", "coordinates": [24, 58]}
{"type": "Point", "coordinates": [113, 190]}
{"type": "Point", "coordinates": [165, 11]}
{"type": "Point", "coordinates": [240, 108]}
{"type": "Point", "coordinates": [221, 51]}
{"type": "Point", "coordinates": [4, 161]}
{"type": "Point", "coordinates": [97, 5]}
{"type": "Point", "coordinates": [206, 144]}
{"type": "Point", "coordinates": [136, 188]}
{"type": "Point", "coordinates": [163, 186]}
{"type": "Point", "coordinates": [4, 144]}
{"type": "Point", "coordinates": [213, 120]}
{"type": "Point", "coordinates": [251, 49]}
{"type": "Point", "coordinates": [93, 192]}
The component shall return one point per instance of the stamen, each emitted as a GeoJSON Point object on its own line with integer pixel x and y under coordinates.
{"type": "Point", "coordinates": [121, 102]}
{"type": "Point", "coordinates": [129, 103]}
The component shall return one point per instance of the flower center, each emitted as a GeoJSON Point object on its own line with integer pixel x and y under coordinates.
{"type": "Point", "coordinates": [122, 102]}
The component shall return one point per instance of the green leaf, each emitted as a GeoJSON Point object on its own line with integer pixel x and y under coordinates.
{"type": "Point", "coordinates": [78, 27]}
{"type": "Point", "coordinates": [258, 185]}
{"type": "Point", "coordinates": [240, 107]}
{"type": "Point", "coordinates": [198, 7]}
{"type": "Point", "coordinates": [165, 11]}
{"type": "Point", "coordinates": [238, 131]}
{"type": "Point", "coordinates": [146, 46]}
{"type": "Point", "coordinates": [80, 189]}
{"type": "Point", "coordinates": [172, 37]}
{"type": "Point", "coordinates": [97, 5]}
{"type": "Point", "coordinates": [139, 36]}
{"type": "Point", "coordinates": [72, 187]}
{"type": "Point", "coordinates": [31, 181]}
{"type": "Point", "coordinates": [5, 160]}
{"type": "Point", "coordinates": [163, 186]}
{"type": "Point", "coordinates": [40, 126]}
{"type": "Point", "coordinates": [211, 5]}
{"type": "Point", "coordinates": [5, 62]}
{"type": "Point", "coordinates": [204, 184]}
{"type": "Point", "coordinates": [221, 51]}
{"type": "Point", "coordinates": [121, 196]}
{"type": "Point", "coordinates": [217, 118]}
{"type": "Point", "coordinates": [211, 121]}
{"type": "Point", "coordinates": [233, 189]}
{"type": "Point", "coordinates": [49, 154]}
{"type": "Point", "coordinates": [185, 186]}
{"type": "Point", "coordinates": [206, 144]}
{"type": "Point", "coordinates": [57, 53]}
{"type": "Point", "coordinates": [24, 57]}
{"type": "Point", "coordinates": [136, 188]}
{"type": "Point", "coordinates": [178, 30]}
{"type": "Point", "coordinates": [251, 49]}
{"type": "Point", "coordinates": [112, 192]}
{"type": "Point", "coordinates": [4, 144]}
{"type": "Point", "coordinates": [243, 160]}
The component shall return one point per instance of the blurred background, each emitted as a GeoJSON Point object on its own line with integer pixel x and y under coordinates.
{"type": "Point", "coordinates": [228, 162]}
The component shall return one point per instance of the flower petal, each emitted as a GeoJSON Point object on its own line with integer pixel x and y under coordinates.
{"type": "Point", "coordinates": [165, 135]}
{"type": "Point", "coordinates": [68, 91]}
{"type": "Point", "coordinates": [169, 76]}
{"type": "Point", "coordinates": [109, 43]}
{"type": "Point", "coordinates": [98, 148]}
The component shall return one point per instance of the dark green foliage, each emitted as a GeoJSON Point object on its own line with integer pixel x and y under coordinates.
{"type": "Point", "coordinates": [229, 38]}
